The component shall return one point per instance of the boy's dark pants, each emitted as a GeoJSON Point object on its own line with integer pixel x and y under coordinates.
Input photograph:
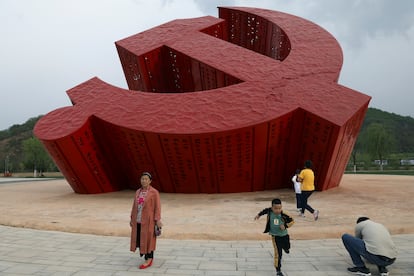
{"type": "Point", "coordinates": [279, 243]}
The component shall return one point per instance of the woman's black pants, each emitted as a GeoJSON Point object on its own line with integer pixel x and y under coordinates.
{"type": "Point", "coordinates": [147, 255]}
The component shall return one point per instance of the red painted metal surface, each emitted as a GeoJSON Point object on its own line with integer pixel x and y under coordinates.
{"type": "Point", "coordinates": [215, 105]}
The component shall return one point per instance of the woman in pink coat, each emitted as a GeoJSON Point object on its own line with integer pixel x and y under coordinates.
{"type": "Point", "coordinates": [145, 214]}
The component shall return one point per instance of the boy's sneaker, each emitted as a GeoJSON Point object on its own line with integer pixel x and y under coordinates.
{"type": "Point", "coordinates": [383, 271]}
{"type": "Point", "coordinates": [359, 270]}
{"type": "Point", "coordinates": [279, 273]}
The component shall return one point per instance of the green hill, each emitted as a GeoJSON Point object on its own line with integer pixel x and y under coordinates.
{"type": "Point", "coordinates": [399, 127]}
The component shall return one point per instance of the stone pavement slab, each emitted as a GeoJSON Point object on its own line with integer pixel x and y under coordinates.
{"type": "Point", "coordinates": [37, 252]}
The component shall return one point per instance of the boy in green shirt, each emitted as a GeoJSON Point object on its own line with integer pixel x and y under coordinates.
{"type": "Point", "coordinates": [276, 225]}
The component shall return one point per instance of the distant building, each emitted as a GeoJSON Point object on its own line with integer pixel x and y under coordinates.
{"type": "Point", "coordinates": [407, 162]}
{"type": "Point", "coordinates": [378, 162]}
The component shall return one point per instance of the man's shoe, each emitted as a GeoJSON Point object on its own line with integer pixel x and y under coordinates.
{"type": "Point", "coordinates": [279, 273]}
{"type": "Point", "coordinates": [383, 271]}
{"type": "Point", "coordinates": [286, 250]}
{"type": "Point", "coordinates": [360, 270]}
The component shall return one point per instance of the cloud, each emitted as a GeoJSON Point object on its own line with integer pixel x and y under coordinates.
{"type": "Point", "coordinates": [51, 46]}
{"type": "Point", "coordinates": [382, 69]}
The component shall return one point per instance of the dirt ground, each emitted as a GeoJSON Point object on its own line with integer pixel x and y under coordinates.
{"type": "Point", "coordinates": [52, 205]}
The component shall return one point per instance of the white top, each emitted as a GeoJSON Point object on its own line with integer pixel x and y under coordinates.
{"type": "Point", "coordinates": [296, 184]}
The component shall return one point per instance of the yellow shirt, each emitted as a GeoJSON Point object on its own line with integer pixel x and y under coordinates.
{"type": "Point", "coordinates": [308, 180]}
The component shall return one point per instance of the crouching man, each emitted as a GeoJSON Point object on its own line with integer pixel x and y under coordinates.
{"type": "Point", "coordinates": [373, 242]}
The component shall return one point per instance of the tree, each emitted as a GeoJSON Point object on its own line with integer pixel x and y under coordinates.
{"type": "Point", "coordinates": [379, 142]}
{"type": "Point", "coordinates": [356, 152]}
{"type": "Point", "coordinates": [35, 155]}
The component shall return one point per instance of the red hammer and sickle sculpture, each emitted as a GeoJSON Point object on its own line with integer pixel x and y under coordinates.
{"type": "Point", "coordinates": [215, 105]}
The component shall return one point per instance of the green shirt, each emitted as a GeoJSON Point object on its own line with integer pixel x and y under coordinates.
{"type": "Point", "coordinates": [275, 222]}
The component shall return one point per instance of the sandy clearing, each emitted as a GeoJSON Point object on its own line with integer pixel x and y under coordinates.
{"type": "Point", "coordinates": [52, 205]}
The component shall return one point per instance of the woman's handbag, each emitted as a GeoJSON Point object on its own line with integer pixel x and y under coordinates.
{"type": "Point", "coordinates": [157, 231]}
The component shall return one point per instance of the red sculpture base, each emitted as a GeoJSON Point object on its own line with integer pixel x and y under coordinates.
{"type": "Point", "coordinates": [216, 105]}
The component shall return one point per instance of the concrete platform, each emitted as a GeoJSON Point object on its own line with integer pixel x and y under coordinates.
{"type": "Point", "coordinates": [38, 252]}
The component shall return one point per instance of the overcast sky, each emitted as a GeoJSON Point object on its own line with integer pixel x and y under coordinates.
{"type": "Point", "coordinates": [49, 46]}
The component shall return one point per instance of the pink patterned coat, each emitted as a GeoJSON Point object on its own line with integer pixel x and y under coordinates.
{"type": "Point", "coordinates": [151, 212]}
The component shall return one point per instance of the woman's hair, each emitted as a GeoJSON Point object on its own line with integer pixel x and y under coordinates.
{"type": "Point", "coordinates": [308, 164]}
{"type": "Point", "coordinates": [147, 174]}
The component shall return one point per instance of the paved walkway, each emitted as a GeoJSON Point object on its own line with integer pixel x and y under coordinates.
{"type": "Point", "coordinates": [36, 252]}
